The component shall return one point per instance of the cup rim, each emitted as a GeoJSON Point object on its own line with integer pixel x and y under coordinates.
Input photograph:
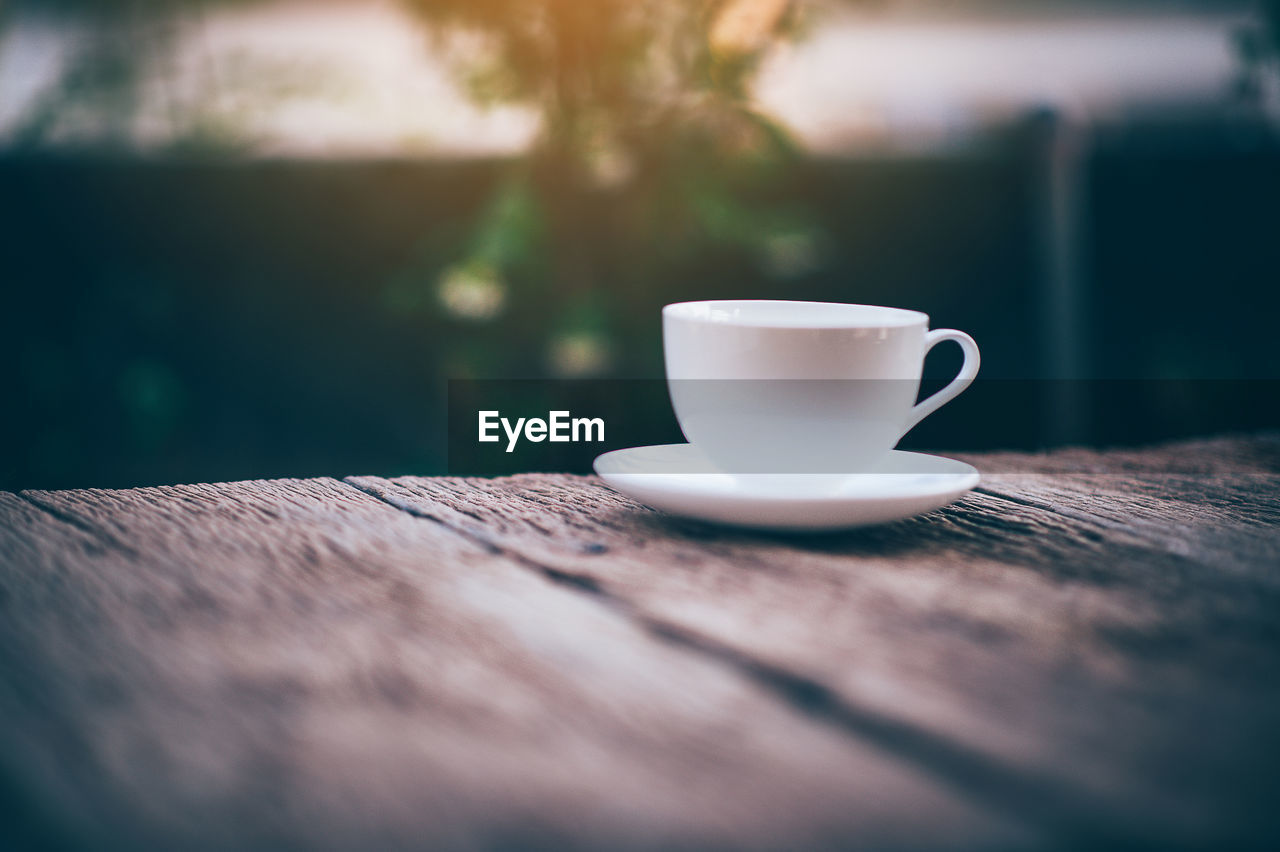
{"type": "Point", "coordinates": [793, 314]}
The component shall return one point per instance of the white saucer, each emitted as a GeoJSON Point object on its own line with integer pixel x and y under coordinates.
{"type": "Point", "coordinates": [678, 479]}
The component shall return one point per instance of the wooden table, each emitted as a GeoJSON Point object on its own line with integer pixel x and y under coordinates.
{"type": "Point", "coordinates": [1083, 652]}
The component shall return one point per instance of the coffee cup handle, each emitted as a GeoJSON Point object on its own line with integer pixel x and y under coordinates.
{"type": "Point", "coordinates": [968, 370]}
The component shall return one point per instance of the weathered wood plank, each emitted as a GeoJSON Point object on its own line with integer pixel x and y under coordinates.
{"type": "Point", "coordinates": [1036, 638]}
{"type": "Point", "coordinates": [41, 808]}
{"type": "Point", "coordinates": [1230, 522]}
{"type": "Point", "coordinates": [1247, 454]}
{"type": "Point", "coordinates": [297, 664]}
{"type": "Point", "coordinates": [1216, 499]}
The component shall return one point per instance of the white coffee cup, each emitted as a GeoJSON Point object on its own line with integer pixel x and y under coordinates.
{"type": "Point", "coordinates": [763, 386]}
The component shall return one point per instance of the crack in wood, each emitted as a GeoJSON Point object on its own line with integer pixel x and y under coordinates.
{"type": "Point", "coordinates": [1137, 530]}
{"type": "Point", "coordinates": [1069, 814]}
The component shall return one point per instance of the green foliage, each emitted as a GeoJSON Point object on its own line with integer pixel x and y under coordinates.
{"type": "Point", "coordinates": [651, 156]}
{"type": "Point", "coordinates": [649, 149]}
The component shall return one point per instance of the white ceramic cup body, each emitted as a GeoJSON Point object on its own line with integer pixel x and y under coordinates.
{"type": "Point", "coordinates": [800, 387]}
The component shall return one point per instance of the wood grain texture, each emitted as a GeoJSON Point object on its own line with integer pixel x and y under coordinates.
{"type": "Point", "coordinates": [1219, 499]}
{"type": "Point", "coordinates": [1097, 651]}
{"type": "Point", "coordinates": [297, 664]}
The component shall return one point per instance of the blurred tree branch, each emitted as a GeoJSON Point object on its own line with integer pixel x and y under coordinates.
{"type": "Point", "coordinates": [648, 130]}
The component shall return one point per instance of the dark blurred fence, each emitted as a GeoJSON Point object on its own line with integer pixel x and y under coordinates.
{"type": "Point", "coordinates": [170, 321]}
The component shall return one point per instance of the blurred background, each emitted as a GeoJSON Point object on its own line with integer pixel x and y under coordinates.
{"type": "Point", "coordinates": [255, 238]}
